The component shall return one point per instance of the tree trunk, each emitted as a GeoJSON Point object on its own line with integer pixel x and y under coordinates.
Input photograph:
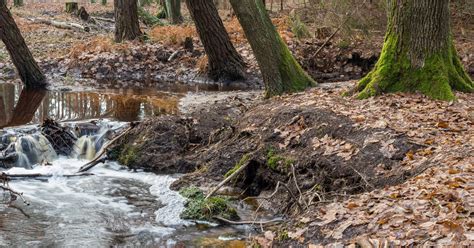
{"type": "Point", "coordinates": [126, 20]}
{"type": "Point", "coordinates": [21, 56]}
{"type": "Point", "coordinates": [17, 3]}
{"type": "Point", "coordinates": [71, 7]}
{"type": "Point", "coordinates": [418, 53]}
{"type": "Point", "coordinates": [224, 61]}
{"type": "Point", "coordinates": [281, 72]}
{"type": "Point", "coordinates": [173, 8]}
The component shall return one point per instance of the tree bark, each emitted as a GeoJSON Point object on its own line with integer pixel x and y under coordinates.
{"type": "Point", "coordinates": [21, 56]}
{"type": "Point", "coordinates": [173, 8]}
{"type": "Point", "coordinates": [17, 3]}
{"type": "Point", "coordinates": [126, 20]}
{"type": "Point", "coordinates": [71, 7]}
{"type": "Point", "coordinates": [281, 72]}
{"type": "Point", "coordinates": [223, 60]}
{"type": "Point", "coordinates": [418, 53]}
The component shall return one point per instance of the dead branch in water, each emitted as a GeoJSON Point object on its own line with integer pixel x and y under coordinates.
{"type": "Point", "coordinates": [11, 177]}
{"type": "Point", "coordinates": [14, 194]}
{"type": "Point", "coordinates": [99, 158]}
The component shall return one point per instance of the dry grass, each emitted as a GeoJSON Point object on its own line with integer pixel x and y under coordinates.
{"type": "Point", "coordinates": [97, 45]}
{"type": "Point", "coordinates": [202, 64]}
{"type": "Point", "coordinates": [172, 35]}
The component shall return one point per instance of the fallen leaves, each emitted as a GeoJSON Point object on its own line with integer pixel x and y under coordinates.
{"type": "Point", "coordinates": [434, 208]}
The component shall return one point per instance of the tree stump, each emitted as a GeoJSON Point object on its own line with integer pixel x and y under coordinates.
{"type": "Point", "coordinates": [71, 7]}
{"type": "Point", "coordinates": [82, 13]}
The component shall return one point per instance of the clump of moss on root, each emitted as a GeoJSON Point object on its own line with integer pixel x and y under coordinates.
{"type": "Point", "coordinates": [200, 208]}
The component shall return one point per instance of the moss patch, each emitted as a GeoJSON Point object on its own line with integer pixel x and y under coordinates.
{"type": "Point", "coordinates": [128, 155]}
{"type": "Point", "coordinates": [440, 74]}
{"type": "Point", "coordinates": [199, 208]}
{"type": "Point", "coordinates": [237, 166]}
{"type": "Point", "coordinates": [274, 160]}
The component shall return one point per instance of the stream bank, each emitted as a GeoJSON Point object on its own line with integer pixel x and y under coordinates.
{"type": "Point", "coordinates": [317, 143]}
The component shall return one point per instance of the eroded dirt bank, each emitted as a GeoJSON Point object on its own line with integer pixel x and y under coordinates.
{"type": "Point", "coordinates": [320, 152]}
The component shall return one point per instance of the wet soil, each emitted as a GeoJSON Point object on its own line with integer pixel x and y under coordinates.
{"type": "Point", "coordinates": [282, 142]}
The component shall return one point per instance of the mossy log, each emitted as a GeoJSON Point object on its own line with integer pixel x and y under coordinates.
{"type": "Point", "coordinates": [71, 7]}
{"type": "Point", "coordinates": [418, 54]}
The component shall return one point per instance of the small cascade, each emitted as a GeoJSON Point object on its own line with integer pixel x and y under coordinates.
{"type": "Point", "coordinates": [34, 149]}
{"type": "Point", "coordinates": [85, 148]}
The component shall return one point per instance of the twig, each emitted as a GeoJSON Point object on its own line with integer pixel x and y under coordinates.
{"type": "Point", "coordinates": [247, 222]}
{"type": "Point", "coordinates": [293, 196]}
{"type": "Point", "coordinates": [336, 31]}
{"type": "Point", "coordinates": [363, 178]}
{"type": "Point", "coordinates": [297, 186]}
{"type": "Point", "coordinates": [265, 198]}
{"type": "Point", "coordinates": [6, 188]}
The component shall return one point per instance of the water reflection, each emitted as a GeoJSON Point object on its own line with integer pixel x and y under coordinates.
{"type": "Point", "coordinates": [19, 106]}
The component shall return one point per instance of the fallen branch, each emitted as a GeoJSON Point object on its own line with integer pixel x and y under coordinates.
{"type": "Point", "coordinates": [227, 179]}
{"type": "Point", "coordinates": [14, 193]}
{"type": "Point", "coordinates": [247, 222]}
{"type": "Point", "coordinates": [99, 157]}
{"type": "Point", "coordinates": [39, 176]}
{"type": "Point", "coordinates": [103, 19]}
{"type": "Point", "coordinates": [62, 25]}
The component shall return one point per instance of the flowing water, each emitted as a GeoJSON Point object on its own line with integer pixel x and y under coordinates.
{"type": "Point", "coordinates": [114, 207]}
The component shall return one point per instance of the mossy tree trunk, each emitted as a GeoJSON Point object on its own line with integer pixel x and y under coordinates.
{"type": "Point", "coordinates": [71, 7]}
{"type": "Point", "coordinates": [418, 54]}
{"type": "Point", "coordinates": [224, 61]}
{"type": "Point", "coordinates": [162, 11]}
{"type": "Point", "coordinates": [17, 3]}
{"type": "Point", "coordinates": [281, 72]}
{"type": "Point", "coordinates": [126, 20]}
{"type": "Point", "coordinates": [173, 8]}
{"type": "Point", "coordinates": [21, 56]}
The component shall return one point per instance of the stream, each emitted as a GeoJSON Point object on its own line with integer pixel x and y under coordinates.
{"type": "Point", "coordinates": [114, 207]}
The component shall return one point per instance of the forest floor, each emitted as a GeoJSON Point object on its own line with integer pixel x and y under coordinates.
{"type": "Point", "coordinates": [397, 169]}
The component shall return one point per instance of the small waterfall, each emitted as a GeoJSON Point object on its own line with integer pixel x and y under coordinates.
{"type": "Point", "coordinates": [34, 149]}
{"type": "Point", "coordinates": [85, 148]}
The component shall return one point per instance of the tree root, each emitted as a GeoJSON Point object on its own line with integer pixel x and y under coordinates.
{"type": "Point", "coordinates": [248, 222]}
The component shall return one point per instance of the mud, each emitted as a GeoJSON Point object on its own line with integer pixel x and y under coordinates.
{"type": "Point", "coordinates": [327, 151]}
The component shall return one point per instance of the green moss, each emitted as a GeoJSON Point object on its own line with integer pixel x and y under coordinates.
{"type": "Point", "coordinates": [293, 77]}
{"type": "Point", "coordinates": [200, 208]}
{"type": "Point", "coordinates": [274, 160]}
{"type": "Point", "coordinates": [128, 155]}
{"type": "Point", "coordinates": [237, 166]}
{"type": "Point", "coordinates": [440, 74]}
{"type": "Point", "coordinates": [147, 18]}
